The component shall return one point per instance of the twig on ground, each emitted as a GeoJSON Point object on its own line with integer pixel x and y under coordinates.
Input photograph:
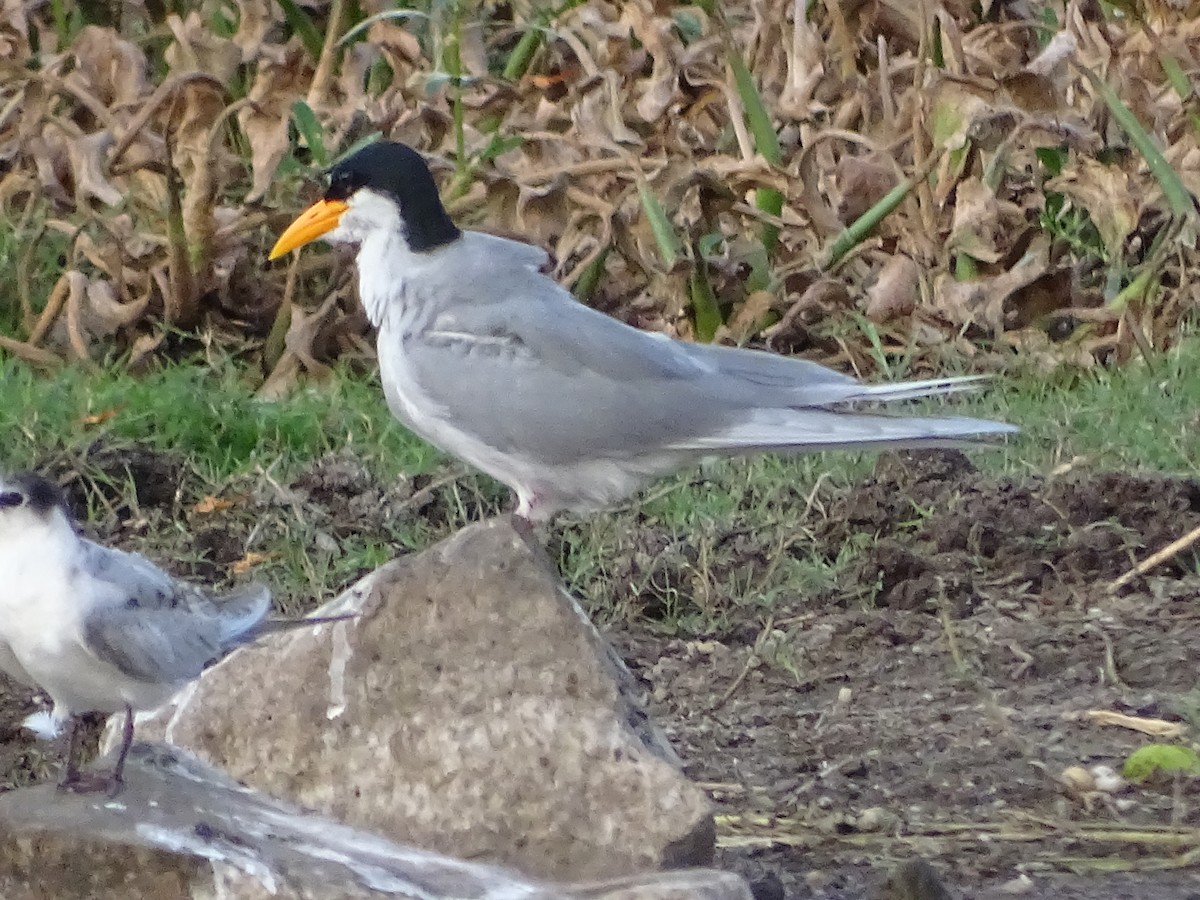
{"type": "Point", "coordinates": [1110, 661]}
{"type": "Point", "coordinates": [1154, 560]}
{"type": "Point", "coordinates": [951, 640]}
{"type": "Point", "coordinates": [750, 661]}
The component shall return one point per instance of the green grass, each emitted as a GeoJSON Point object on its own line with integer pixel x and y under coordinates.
{"type": "Point", "coordinates": [1136, 418]}
{"type": "Point", "coordinates": [689, 554]}
{"type": "Point", "coordinates": [210, 417]}
{"type": "Point", "coordinates": [223, 442]}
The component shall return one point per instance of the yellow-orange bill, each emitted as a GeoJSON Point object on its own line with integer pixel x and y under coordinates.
{"type": "Point", "coordinates": [323, 216]}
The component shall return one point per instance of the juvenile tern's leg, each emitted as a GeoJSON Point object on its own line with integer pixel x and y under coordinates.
{"type": "Point", "coordinates": [93, 782]}
{"type": "Point", "coordinates": [118, 775]}
{"type": "Point", "coordinates": [72, 779]}
{"type": "Point", "coordinates": [70, 774]}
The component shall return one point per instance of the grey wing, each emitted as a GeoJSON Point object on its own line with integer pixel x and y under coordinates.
{"type": "Point", "coordinates": [578, 380]}
{"type": "Point", "coordinates": [135, 581]}
{"type": "Point", "coordinates": [555, 412]}
{"type": "Point", "coordinates": [525, 368]}
{"type": "Point", "coordinates": [492, 290]}
{"type": "Point", "coordinates": [131, 580]}
{"type": "Point", "coordinates": [159, 646]}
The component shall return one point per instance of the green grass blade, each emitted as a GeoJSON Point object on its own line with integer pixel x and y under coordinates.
{"type": "Point", "coordinates": [706, 310]}
{"type": "Point", "coordinates": [303, 26]}
{"type": "Point", "coordinates": [863, 225]}
{"type": "Point", "coordinates": [770, 201]}
{"type": "Point", "coordinates": [1180, 82]}
{"type": "Point", "coordinates": [664, 231]}
{"type": "Point", "coordinates": [1137, 288]}
{"type": "Point", "coordinates": [312, 132]}
{"type": "Point", "coordinates": [521, 55]}
{"type": "Point", "coordinates": [370, 138]}
{"type": "Point", "coordinates": [766, 141]}
{"type": "Point", "coordinates": [1177, 195]}
{"type": "Point", "coordinates": [589, 280]}
{"type": "Point", "coordinates": [965, 267]}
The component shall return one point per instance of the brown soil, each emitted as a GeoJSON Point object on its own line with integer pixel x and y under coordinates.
{"type": "Point", "coordinates": [924, 707]}
{"type": "Point", "coordinates": [928, 706]}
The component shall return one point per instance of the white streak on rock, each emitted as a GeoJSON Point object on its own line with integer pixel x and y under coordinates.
{"type": "Point", "coordinates": [338, 657]}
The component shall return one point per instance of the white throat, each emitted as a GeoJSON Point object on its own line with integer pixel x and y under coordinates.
{"type": "Point", "coordinates": [373, 222]}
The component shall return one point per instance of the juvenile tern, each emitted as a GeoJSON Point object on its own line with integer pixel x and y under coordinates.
{"type": "Point", "coordinates": [493, 362]}
{"type": "Point", "coordinates": [102, 630]}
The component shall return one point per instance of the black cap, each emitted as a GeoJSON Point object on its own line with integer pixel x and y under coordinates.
{"type": "Point", "coordinates": [400, 173]}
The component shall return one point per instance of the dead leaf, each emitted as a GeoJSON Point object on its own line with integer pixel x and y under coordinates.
{"type": "Point", "coordinates": [895, 292]}
{"type": "Point", "coordinates": [250, 560]}
{"type": "Point", "coordinates": [1155, 727]}
{"type": "Point", "coordinates": [210, 504]}
{"type": "Point", "coordinates": [748, 318]}
{"type": "Point", "coordinates": [863, 182]}
{"type": "Point", "coordinates": [985, 227]}
{"type": "Point", "coordinates": [820, 300]}
{"type": "Point", "coordinates": [86, 155]}
{"type": "Point", "coordinates": [112, 69]}
{"type": "Point", "coordinates": [101, 417]}
{"type": "Point", "coordinates": [277, 82]}
{"type": "Point", "coordinates": [982, 302]}
{"type": "Point", "coordinates": [658, 36]}
{"type": "Point", "coordinates": [1104, 191]}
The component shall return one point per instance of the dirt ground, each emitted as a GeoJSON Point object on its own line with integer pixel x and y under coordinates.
{"type": "Point", "coordinates": [928, 706]}
{"type": "Point", "coordinates": [924, 707]}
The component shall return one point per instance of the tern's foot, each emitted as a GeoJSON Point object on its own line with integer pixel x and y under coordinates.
{"type": "Point", "coordinates": [523, 526]}
{"type": "Point", "coordinates": [91, 783]}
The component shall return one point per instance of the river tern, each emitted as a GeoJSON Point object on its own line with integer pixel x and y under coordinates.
{"type": "Point", "coordinates": [490, 360]}
{"type": "Point", "coordinates": [102, 630]}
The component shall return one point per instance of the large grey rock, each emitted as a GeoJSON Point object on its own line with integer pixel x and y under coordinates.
{"type": "Point", "coordinates": [182, 829]}
{"type": "Point", "coordinates": [470, 709]}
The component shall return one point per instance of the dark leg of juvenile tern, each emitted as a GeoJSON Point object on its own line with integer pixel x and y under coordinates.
{"type": "Point", "coordinates": [118, 775]}
{"type": "Point", "coordinates": [70, 773]}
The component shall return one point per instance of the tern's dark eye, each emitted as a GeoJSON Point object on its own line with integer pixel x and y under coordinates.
{"type": "Point", "coordinates": [342, 185]}
{"type": "Point", "coordinates": [10, 499]}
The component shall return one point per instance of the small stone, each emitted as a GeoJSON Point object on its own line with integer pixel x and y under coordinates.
{"type": "Point", "coordinates": [1106, 779]}
{"type": "Point", "coordinates": [916, 880]}
{"type": "Point", "coordinates": [1022, 884]}
{"type": "Point", "coordinates": [769, 887]}
{"type": "Point", "coordinates": [876, 818]}
{"type": "Point", "coordinates": [1077, 780]}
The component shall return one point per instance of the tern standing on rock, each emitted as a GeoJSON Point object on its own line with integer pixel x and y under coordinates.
{"type": "Point", "coordinates": [101, 630]}
{"type": "Point", "coordinates": [491, 361]}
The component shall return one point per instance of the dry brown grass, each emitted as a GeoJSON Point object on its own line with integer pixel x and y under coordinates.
{"type": "Point", "coordinates": [164, 148]}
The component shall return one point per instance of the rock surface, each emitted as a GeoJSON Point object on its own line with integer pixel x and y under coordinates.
{"type": "Point", "coordinates": [471, 708]}
{"type": "Point", "coordinates": [182, 829]}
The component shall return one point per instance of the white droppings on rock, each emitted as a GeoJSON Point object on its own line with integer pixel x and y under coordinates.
{"type": "Point", "coordinates": [180, 701]}
{"type": "Point", "coordinates": [374, 877]}
{"type": "Point", "coordinates": [190, 842]}
{"type": "Point", "coordinates": [339, 656]}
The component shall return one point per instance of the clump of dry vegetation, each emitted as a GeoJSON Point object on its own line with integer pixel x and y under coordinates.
{"type": "Point", "coordinates": [877, 183]}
